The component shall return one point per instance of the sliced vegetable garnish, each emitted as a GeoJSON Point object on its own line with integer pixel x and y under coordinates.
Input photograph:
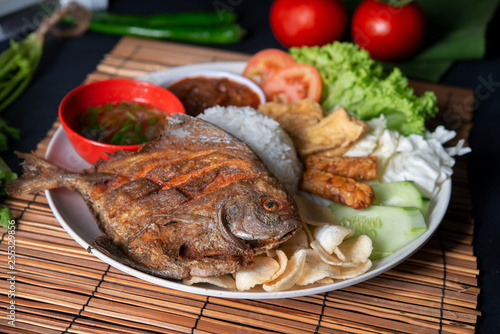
{"type": "Point", "coordinates": [293, 83]}
{"type": "Point", "coordinates": [266, 62]}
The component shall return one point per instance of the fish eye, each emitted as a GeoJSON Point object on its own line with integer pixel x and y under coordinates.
{"type": "Point", "coordinates": [269, 204]}
{"type": "Point", "coordinates": [233, 210]}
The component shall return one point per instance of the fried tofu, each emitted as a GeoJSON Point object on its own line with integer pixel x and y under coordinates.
{"type": "Point", "coordinates": [335, 133]}
{"type": "Point", "coordinates": [293, 117]}
{"type": "Point", "coordinates": [311, 132]}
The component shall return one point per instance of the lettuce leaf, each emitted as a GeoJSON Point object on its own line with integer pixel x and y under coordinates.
{"type": "Point", "coordinates": [355, 81]}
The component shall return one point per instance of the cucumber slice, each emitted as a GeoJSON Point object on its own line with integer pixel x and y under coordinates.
{"type": "Point", "coordinates": [389, 227]}
{"type": "Point", "coordinates": [401, 193]}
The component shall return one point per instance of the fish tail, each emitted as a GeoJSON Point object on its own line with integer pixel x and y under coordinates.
{"type": "Point", "coordinates": [38, 175]}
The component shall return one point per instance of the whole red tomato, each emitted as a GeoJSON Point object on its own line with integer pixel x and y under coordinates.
{"type": "Point", "coordinates": [308, 22]}
{"type": "Point", "coordinates": [388, 32]}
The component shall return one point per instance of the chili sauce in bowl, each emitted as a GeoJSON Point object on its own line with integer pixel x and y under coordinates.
{"type": "Point", "coordinates": [199, 90]}
{"type": "Point", "coordinates": [105, 116]}
{"type": "Point", "coordinates": [122, 123]}
{"type": "Point", "coordinates": [200, 93]}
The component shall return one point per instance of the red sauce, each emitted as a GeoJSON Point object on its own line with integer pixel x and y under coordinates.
{"type": "Point", "coordinates": [121, 123]}
{"type": "Point", "coordinates": [200, 93]}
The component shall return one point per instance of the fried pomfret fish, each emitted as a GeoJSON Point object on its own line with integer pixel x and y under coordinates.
{"type": "Point", "coordinates": [195, 202]}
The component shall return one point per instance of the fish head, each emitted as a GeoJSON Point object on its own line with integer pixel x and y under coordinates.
{"type": "Point", "coordinates": [262, 216]}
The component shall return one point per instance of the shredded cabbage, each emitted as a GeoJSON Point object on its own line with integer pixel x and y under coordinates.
{"type": "Point", "coordinates": [419, 158]}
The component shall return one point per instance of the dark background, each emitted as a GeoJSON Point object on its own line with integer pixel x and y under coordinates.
{"type": "Point", "coordinates": [66, 63]}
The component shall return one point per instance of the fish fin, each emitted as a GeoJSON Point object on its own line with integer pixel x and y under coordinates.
{"type": "Point", "coordinates": [105, 245]}
{"type": "Point", "coordinates": [38, 175]}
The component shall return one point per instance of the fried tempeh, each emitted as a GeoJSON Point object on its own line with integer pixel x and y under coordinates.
{"type": "Point", "coordinates": [339, 189]}
{"type": "Point", "coordinates": [358, 168]}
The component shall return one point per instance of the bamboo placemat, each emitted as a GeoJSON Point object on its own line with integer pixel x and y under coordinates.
{"type": "Point", "coordinates": [60, 288]}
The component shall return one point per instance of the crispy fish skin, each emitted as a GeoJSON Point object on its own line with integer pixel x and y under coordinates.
{"type": "Point", "coordinates": [357, 168]}
{"type": "Point", "coordinates": [337, 188]}
{"type": "Point", "coordinates": [195, 202]}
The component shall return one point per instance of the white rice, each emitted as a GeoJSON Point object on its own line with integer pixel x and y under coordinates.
{"type": "Point", "coordinates": [265, 136]}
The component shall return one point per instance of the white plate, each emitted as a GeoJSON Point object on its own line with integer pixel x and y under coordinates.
{"type": "Point", "coordinates": [73, 215]}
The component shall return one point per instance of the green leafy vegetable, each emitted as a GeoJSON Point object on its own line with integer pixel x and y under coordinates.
{"type": "Point", "coordinates": [5, 217]}
{"type": "Point", "coordinates": [355, 81]}
{"type": "Point", "coordinates": [123, 123]}
{"type": "Point", "coordinates": [6, 175]}
{"type": "Point", "coordinates": [6, 131]}
{"type": "Point", "coordinates": [18, 64]}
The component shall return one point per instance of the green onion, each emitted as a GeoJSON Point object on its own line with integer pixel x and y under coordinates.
{"type": "Point", "coordinates": [19, 62]}
{"type": "Point", "coordinates": [142, 139]}
{"type": "Point", "coordinates": [120, 123]}
{"type": "Point", "coordinates": [17, 66]}
{"type": "Point", "coordinates": [138, 128]}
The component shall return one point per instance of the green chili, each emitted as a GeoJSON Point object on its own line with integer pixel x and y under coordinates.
{"type": "Point", "coordinates": [223, 34]}
{"type": "Point", "coordinates": [216, 27]}
{"type": "Point", "coordinates": [168, 19]}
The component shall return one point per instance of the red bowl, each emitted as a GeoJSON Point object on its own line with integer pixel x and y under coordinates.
{"type": "Point", "coordinates": [110, 91]}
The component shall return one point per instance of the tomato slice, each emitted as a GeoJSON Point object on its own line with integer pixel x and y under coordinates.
{"type": "Point", "coordinates": [266, 62]}
{"type": "Point", "coordinates": [293, 83]}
